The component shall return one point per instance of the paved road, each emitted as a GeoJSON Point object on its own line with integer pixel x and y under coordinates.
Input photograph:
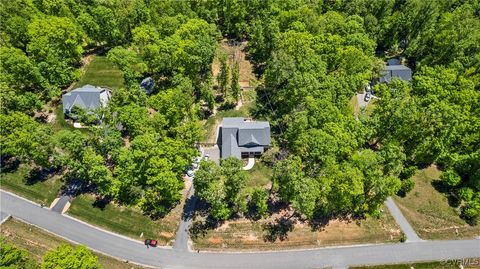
{"type": "Point", "coordinates": [402, 221]}
{"type": "Point", "coordinates": [135, 251]}
{"type": "Point", "coordinates": [182, 236]}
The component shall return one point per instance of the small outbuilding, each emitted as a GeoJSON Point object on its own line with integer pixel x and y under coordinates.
{"type": "Point", "coordinates": [243, 138]}
{"type": "Point", "coordinates": [87, 97]}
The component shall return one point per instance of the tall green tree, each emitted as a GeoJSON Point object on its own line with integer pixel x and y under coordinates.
{"type": "Point", "coordinates": [68, 257]}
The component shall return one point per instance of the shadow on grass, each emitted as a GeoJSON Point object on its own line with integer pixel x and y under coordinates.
{"type": "Point", "coordinates": [39, 174]}
{"type": "Point", "coordinates": [453, 201]}
{"type": "Point", "coordinates": [9, 164]}
{"type": "Point", "coordinates": [278, 229]}
{"type": "Point", "coordinates": [101, 202]}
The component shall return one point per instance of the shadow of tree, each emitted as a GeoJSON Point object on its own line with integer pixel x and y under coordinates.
{"type": "Point", "coordinates": [278, 229]}
{"type": "Point", "coordinates": [453, 200]}
{"type": "Point", "coordinates": [101, 202]}
{"type": "Point", "coordinates": [9, 164]}
{"type": "Point", "coordinates": [39, 174]}
{"type": "Point", "coordinates": [200, 228]}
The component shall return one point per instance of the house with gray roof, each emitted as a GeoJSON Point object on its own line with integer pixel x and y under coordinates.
{"type": "Point", "coordinates": [395, 71]}
{"type": "Point", "coordinates": [243, 138]}
{"type": "Point", "coordinates": [87, 97]}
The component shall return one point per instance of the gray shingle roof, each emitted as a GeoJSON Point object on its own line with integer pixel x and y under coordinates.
{"type": "Point", "coordinates": [399, 71]}
{"type": "Point", "coordinates": [240, 135]}
{"type": "Point", "coordinates": [87, 97]}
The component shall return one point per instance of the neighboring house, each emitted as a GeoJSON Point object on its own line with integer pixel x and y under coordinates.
{"type": "Point", "coordinates": [87, 97]}
{"type": "Point", "coordinates": [396, 71]}
{"type": "Point", "coordinates": [243, 138]}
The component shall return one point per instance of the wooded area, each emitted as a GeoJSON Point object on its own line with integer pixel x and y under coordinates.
{"type": "Point", "coordinates": [312, 57]}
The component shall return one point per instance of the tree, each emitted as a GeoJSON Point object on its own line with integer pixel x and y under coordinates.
{"type": "Point", "coordinates": [55, 44]}
{"type": "Point", "coordinates": [23, 137]}
{"type": "Point", "coordinates": [234, 85]}
{"type": "Point", "coordinates": [67, 257]}
{"type": "Point", "coordinates": [12, 257]}
{"type": "Point", "coordinates": [129, 62]}
{"type": "Point", "coordinates": [260, 202]}
{"type": "Point", "coordinates": [222, 77]}
{"type": "Point", "coordinates": [235, 180]}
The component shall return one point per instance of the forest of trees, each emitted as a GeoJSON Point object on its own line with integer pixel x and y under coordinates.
{"type": "Point", "coordinates": [312, 56]}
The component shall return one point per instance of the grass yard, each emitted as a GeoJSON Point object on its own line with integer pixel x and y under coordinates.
{"type": "Point", "coordinates": [37, 190]}
{"type": "Point", "coordinates": [429, 213]}
{"type": "Point", "coordinates": [427, 265]}
{"type": "Point", "coordinates": [354, 105]}
{"type": "Point", "coordinates": [101, 72]}
{"type": "Point", "coordinates": [37, 242]}
{"type": "Point", "coordinates": [126, 220]}
{"type": "Point", "coordinates": [246, 235]}
{"type": "Point", "coordinates": [371, 106]}
{"type": "Point", "coordinates": [260, 175]}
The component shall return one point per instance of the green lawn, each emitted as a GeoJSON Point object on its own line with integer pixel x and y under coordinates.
{"type": "Point", "coordinates": [101, 72]}
{"type": "Point", "coordinates": [40, 191]}
{"type": "Point", "coordinates": [125, 220]}
{"type": "Point", "coordinates": [260, 175]}
{"type": "Point", "coordinates": [36, 242]}
{"type": "Point", "coordinates": [429, 213]}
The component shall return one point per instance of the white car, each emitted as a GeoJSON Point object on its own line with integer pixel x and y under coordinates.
{"type": "Point", "coordinates": [190, 173]}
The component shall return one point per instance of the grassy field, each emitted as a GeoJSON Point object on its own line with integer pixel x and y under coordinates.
{"type": "Point", "coordinates": [427, 265]}
{"type": "Point", "coordinates": [101, 72]}
{"type": "Point", "coordinates": [248, 235]}
{"type": "Point", "coordinates": [37, 190]}
{"type": "Point", "coordinates": [37, 242]}
{"type": "Point", "coordinates": [126, 220]}
{"type": "Point", "coordinates": [429, 213]}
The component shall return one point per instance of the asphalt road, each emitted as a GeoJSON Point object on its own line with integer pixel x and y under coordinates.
{"type": "Point", "coordinates": [134, 251]}
{"type": "Point", "coordinates": [402, 221]}
{"type": "Point", "coordinates": [182, 237]}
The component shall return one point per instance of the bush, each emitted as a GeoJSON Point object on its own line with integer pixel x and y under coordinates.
{"type": "Point", "coordinates": [450, 178]}
{"type": "Point", "coordinates": [407, 186]}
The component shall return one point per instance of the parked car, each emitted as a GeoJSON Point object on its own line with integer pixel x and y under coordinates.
{"type": "Point", "coordinates": [151, 242]}
{"type": "Point", "coordinates": [206, 157]}
{"type": "Point", "coordinates": [368, 88]}
{"type": "Point", "coordinates": [195, 165]}
{"type": "Point", "coordinates": [190, 173]}
{"type": "Point", "coordinates": [368, 96]}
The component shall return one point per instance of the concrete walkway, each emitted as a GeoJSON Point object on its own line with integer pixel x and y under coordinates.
{"type": "Point", "coordinates": [250, 164]}
{"type": "Point", "coordinates": [402, 221]}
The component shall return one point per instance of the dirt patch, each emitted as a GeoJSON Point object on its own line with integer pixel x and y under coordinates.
{"type": "Point", "coordinates": [236, 54]}
{"type": "Point", "coordinates": [281, 232]}
{"type": "Point", "coordinates": [215, 240]}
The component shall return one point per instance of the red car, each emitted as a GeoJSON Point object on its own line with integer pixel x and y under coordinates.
{"type": "Point", "coordinates": [151, 242]}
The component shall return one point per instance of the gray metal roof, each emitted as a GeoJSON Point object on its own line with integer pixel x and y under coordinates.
{"type": "Point", "coordinates": [240, 135]}
{"type": "Point", "coordinates": [396, 71]}
{"type": "Point", "coordinates": [87, 97]}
